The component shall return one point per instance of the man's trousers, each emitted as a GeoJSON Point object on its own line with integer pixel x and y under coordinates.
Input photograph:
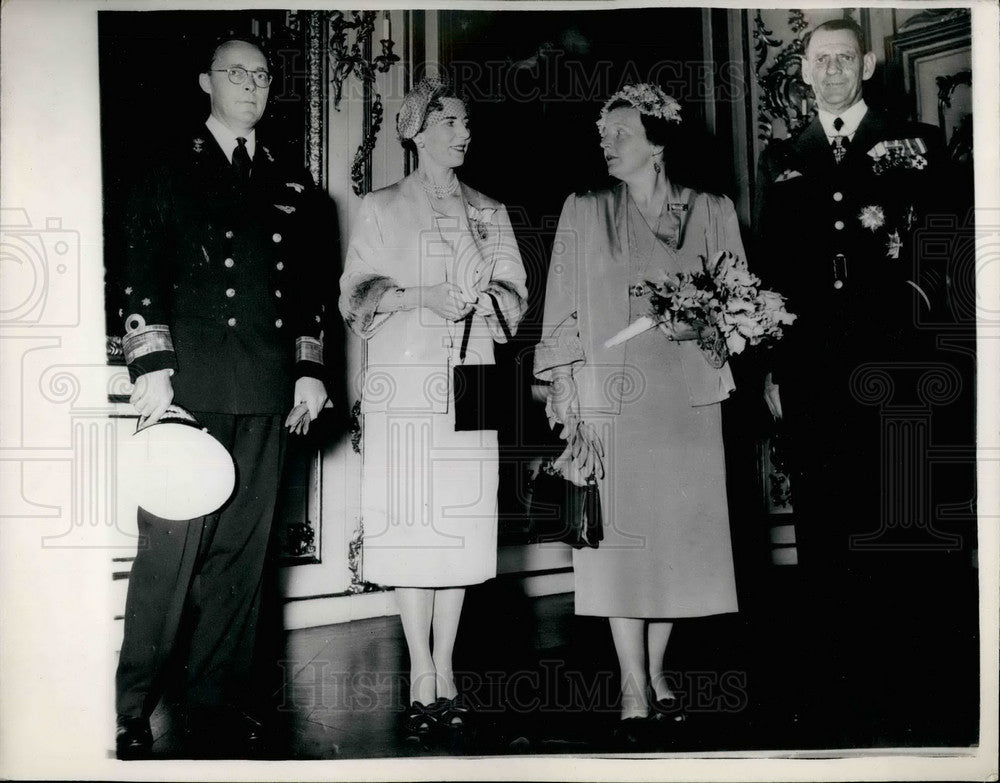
{"type": "Point", "coordinates": [206, 573]}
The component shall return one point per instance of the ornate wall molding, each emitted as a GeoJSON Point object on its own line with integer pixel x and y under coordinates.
{"type": "Point", "coordinates": [358, 61]}
{"type": "Point", "coordinates": [782, 96]}
{"type": "Point", "coordinates": [317, 98]}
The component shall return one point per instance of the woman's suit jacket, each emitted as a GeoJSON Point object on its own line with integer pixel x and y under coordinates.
{"type": "Point", "coordinates": [587, 300]}
{"type": "Point", "coordinates": [400, 241]}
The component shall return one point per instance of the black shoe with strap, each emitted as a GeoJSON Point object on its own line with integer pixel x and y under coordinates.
{"type": "Point", "coordinates": [453, 713]}
{"type": "Point", "coordinates": [419, 722]}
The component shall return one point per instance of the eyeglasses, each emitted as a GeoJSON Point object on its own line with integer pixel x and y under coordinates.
{"type": "Point", "coordinates": [238, 75]}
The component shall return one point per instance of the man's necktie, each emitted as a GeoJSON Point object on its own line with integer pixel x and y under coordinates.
{"type": "Point", "coordinates": [840, 143]}
{"type": "Point", "coordinates": [241, 161]}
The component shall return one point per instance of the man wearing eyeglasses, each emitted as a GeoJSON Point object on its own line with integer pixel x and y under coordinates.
{"type": "Point", "coordinates": [223, 317]}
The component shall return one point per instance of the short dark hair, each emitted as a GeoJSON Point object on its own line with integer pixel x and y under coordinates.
{"type": "Point", "coordinates": [838, 24]}
{"type": "Point", "coordinates": [213, 49]}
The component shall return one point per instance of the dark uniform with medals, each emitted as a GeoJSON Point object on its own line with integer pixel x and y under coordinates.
{"type": "Point", "coordinates": [839, 239]}
{"type": "Point", "coordinates": [842, 233]}
{"type": "Point", "coordinates": [220, 287]}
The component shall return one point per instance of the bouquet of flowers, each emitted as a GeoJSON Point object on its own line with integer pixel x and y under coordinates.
{"type": "Point", "coordinates": [723, 303]}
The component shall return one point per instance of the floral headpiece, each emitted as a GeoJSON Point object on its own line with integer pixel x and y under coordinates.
{"type": "Point", "coordinates": [648, 99]}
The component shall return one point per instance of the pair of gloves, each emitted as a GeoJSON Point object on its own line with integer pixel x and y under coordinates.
{"type": "Point", "coordinates": [582, 461]}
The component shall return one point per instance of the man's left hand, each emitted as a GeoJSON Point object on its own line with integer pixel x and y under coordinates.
{"type": "Point", "coordinates": [310, 393]}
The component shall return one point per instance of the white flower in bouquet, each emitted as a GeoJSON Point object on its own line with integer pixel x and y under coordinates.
{"type": "Point", "coordinates": [729, 272]}
{"type": "Point", "coordinates": [722, 301]}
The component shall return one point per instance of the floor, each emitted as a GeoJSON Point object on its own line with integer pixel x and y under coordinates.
{"type": "Point", "coordinates": [544, 681]}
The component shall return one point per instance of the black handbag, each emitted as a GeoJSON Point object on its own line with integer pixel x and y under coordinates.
{"type": "Point", "coordinates": [562, 511]}
{"type": "Point", "coordinates": [485, 396]}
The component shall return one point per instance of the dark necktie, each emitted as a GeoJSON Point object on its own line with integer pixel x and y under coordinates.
{"type": "Point", "coordinates": [241, 161]}
{"type": "Point", "coordinates": [840, 143]}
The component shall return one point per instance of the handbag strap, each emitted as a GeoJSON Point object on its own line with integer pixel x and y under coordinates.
{"type": "Point", "coordinates": [468, 327]}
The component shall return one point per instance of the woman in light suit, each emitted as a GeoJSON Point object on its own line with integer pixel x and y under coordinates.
{"type": "Point", "coordinates": [424, 254]}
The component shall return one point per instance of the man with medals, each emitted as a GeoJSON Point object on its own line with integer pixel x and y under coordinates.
{"type": "Point", "coordinates": [845, 214]}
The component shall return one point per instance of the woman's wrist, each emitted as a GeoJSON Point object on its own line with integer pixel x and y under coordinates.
{"type": "Point", "coordinates": [396, 299]}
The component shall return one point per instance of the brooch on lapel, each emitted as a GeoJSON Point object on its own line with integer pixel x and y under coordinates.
{"type": "Point", "coordinates": [893, 245]}
{"type": "Point", "coordinates": [199, 143]}
{"type": "Point", "coordinates": [787, 174]}
{"type": "Point", "coordinates": [480, 219]}
{"type": "Point", "coordinates": [898, 154]}
{"type": "Point", "coordinates": [267, 154]}
{"type": "Point", "coordinates": [284, 208]}
{"type": "Point", "coordinates": [295, 186]}
{"type": "Point", "coordinates": [872, 217]}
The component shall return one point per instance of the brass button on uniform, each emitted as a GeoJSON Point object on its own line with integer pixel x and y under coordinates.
{"type": "Point", "coordinates": [839, 225]}
{"type": "Point", "coordinates": [279, 266]}
{"type": "Point", "coordinates": [838, 196]}
{"type": "Point", "coordinates": [229, 235]}
{"type": "Point", "coordinates": [838, 284]}
{"type": "Point", "coordinates": [230, 292]}
{"type": "Point", "coordinates": [278, 323]}
{"type": "Point", "coordinates": [231, 322]}
{"type": "Point", "coordinates": [229, 263]}
{"type": "Point", "coordinates": [275, 237]}
{"type": "Point", "coordinates": [278, 294]}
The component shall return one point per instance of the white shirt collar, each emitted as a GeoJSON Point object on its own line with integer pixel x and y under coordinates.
{"type": "Point", "coordinates": [227, 139]}
{"type": "Point", "coordinates": [852, 119]}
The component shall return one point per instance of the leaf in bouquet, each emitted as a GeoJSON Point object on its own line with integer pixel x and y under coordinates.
{"type": "Point", "coordinates": [658, 306]}
{"type": "Point", "coordinates": [719, 264]}
{"type": "Point", "coordinates": [713, 345]}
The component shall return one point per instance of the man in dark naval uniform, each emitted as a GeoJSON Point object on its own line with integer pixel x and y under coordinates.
{"type": "Point", "coordinates": [845, 214]}
{"type": "Point", "coordinates": [223, 317]}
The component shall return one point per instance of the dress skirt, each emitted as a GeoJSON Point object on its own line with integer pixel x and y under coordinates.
{"type": "Point", "coordinates": [667, 551]}
{"type": "Point", "coordinates": [429, 501]}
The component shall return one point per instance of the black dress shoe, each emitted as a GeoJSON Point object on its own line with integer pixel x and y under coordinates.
{"type": "Point", "coordinates": [453, 714]}
{"type": "Point", "coordinates": [225, 733]}
{"type": "Point", "coordinates": [632, 735]}
{"type": "Point", "coordinates": [133, 739]}
{"type": "Point", "coordinates": [419, 722]}
{"type": "Point", "coordinates": [668, 712]}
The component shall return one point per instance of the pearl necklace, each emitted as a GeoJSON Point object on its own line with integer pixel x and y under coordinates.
{"type": "Point", "coordinates": [438, 191]}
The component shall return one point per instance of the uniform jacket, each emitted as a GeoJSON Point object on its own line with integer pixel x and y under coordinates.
{"type": "Point", "coordinates": [399, 241]}
{"type": "Point", "coordinates": [841, 241]}
{"type": "Point", "coordinates": [587, 295]}
{"type": "Point", "coordinates": [219, 282]}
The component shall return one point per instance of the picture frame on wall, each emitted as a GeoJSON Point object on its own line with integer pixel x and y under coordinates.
{"type": "Point", "coordinates": [932, 65]}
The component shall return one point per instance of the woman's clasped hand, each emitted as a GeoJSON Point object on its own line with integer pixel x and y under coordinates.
{"type": "Point", "coordinates": [446, 300]}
